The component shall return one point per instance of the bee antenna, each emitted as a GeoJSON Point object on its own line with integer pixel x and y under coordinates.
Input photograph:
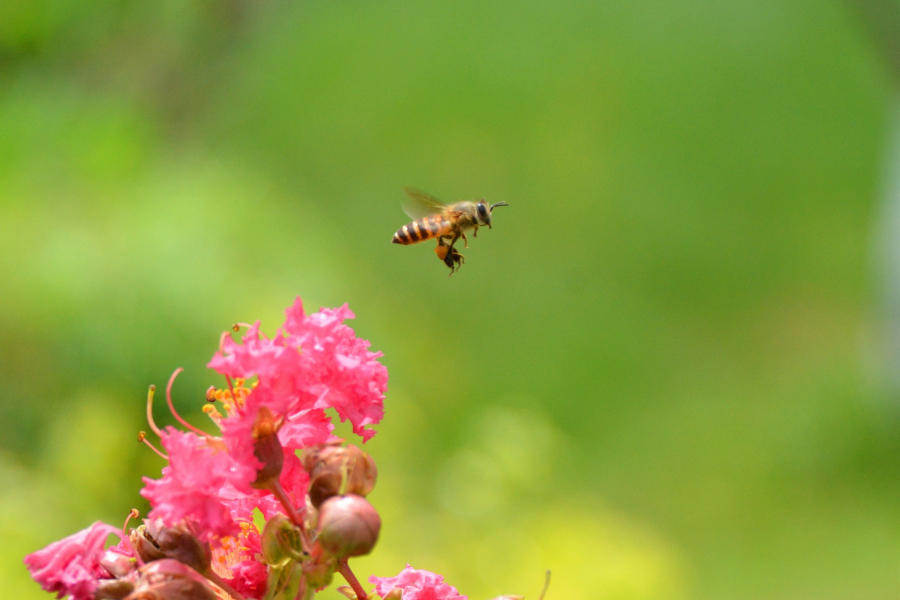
{"type": "Point", "coordinates": [498, 204]}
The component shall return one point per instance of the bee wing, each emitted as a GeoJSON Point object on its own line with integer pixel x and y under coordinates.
{"type": "Point", "coordinates": [420, 204]}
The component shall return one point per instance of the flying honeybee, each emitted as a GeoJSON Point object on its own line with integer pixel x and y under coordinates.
{"type": "Point", "coordinates": [445, 222]}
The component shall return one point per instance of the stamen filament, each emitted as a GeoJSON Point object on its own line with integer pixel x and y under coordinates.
{"type": "Point", "coordinates": [344, 569]}
{"type": "Point", "coordinates": [212, 576]}
{"type": "Point", "coordinates": [126, 539]}
{"type": "Point", "coordinates": [222, 337]}
{"type": "Point", "coordinates": [546, 585]}
{"type": "Point", "coordinates": [231, 389]}
{"type": "Point", "coordinates": [222, 342]}
{"type": "Point", "coordinates": [172, 406]}
{"type": "Point", "coordinates": [150, 411]}
{"type": "Point", "coordinates": [133, 514]}
{"type": "Point", "coordinates": [142, 437]}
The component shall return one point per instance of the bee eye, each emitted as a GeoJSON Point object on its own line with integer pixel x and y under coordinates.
{"type": "Point", "coordinates": [482, 211]}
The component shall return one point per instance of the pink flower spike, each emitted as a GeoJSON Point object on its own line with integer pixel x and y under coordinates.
{"type": "Point", "coordinates": [71, 566]}
{"type": "Point", "coordinates": [416, 585]}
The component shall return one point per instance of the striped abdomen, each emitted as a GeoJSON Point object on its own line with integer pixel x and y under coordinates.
{"type": "Point", "coordinates": [423, 229]}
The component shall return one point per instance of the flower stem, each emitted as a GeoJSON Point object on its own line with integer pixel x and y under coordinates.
{"type": "Point", "coordinates": [344, 569]}
{"type": "Point", "coordinates": [292, 513]}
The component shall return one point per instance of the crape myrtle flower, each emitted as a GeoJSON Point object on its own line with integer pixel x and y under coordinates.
{"type": "Point", "coordinates": [237, 560]}
{"type": "Point", "coordinates": [415, 584]}
{"type": "Point", "coordinates": [201, 541]}
{"type": "Point", "coordinates": [315, 362]}
{"type": "Point", "coordinates": [191, 485]}
{"type": "Point", "coordinates": [72, 566]}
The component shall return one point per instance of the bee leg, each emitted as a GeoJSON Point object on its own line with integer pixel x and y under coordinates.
{"type": "Point", "coordinates": [465, 239]}
{"type": "Point", "coordinates": [475, 231]}
{"type": "Point", "coordinates": [459, 259]}
{"type": "Point", "coordinates": [456, 260]}
{"type": "Point", "coordinates": [453, 256]}
{"type": "Point", "coordinates": [448, 259]}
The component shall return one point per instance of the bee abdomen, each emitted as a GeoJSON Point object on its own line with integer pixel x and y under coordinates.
{"type": "Point", "coordinates": [419, 231]}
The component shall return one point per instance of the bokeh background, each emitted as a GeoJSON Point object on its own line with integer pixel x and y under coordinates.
{"type": "Point", "coordinates": [668, 371]}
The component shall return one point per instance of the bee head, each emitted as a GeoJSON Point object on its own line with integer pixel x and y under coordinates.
{"type": "Point", "coordinates": [483, 211]}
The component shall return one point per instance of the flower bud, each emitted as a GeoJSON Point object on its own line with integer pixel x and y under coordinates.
{"type": "Point", "coordinates": [144, 544]}
{"type": "Point", "coordinates": [328, 465]}
{"type": "Point", "coordinates": [153, 541]}
{"type": "Point", "coordinates": [267, 448]}
{"type": "Point", "coordinates": [348, 526]}
{"type": "Point", "coordinates": [394, 594]}
{"type": "Point", "coordinates": [113, 589]}
{"type": "Point", "coordinates": [347, 592]}
{"type": "Point", "coordinates": [118, 564]}
{"type": "Point", "coordinates": [168, 579]}
{"type": "Point", "coordinates": [180, 543]}
{"type": "Point", "coordinates": [281, 541]}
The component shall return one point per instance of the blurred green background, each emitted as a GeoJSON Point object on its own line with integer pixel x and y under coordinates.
{"type": "Point", "coordinates": [660, 375]}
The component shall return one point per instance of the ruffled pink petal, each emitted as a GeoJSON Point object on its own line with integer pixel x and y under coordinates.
{"type": "Point", "coordinates": [249, 578]}
{"type": "Point", "coordinates": [315, 363]}
{"type": "Point", "coordinates": [71, 566]}
{"type": "Point", "coordinates": [305, 429]}
{"type": "Point", "coordinates": [190, 488]}
{"type": "Point", "coordinates": [417, 585]}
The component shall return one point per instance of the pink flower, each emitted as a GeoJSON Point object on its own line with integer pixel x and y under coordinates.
{"type": "Point", "coordinates": [315, 362]}
{"type": "Point", "coordinates": [191, 486]}
{"type": "Point", "coordinates": [299, 429]}
{"type": "Point", "coordinates": [416, 585]}
{"type": "Point", "coordinates": [305, 429]}
{"type": "Point", "coordinates": [236, 559]}
{"type": "Point", "coordinates": [250, 576]}
{"type": "Point", "coordinates": [71, 566]}
{"type": "Point", "coordinates": [294, 481]}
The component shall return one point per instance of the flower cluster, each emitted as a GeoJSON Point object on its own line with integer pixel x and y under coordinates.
{"type": "Point", "coordinates": [200, 540]}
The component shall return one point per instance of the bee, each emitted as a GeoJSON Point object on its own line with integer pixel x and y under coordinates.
{"type": "Point", "coordinates": [445, 222]}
